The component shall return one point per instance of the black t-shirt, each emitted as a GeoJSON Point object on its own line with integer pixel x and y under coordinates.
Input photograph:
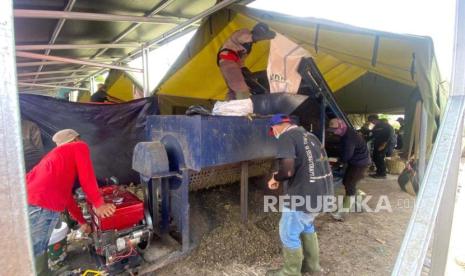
{"type": "Point", "coordinates": [99, 97]}
{"type": "Point", "coordinates": [312, 174]}
{"type": "Point", "coordinates": [382, 133]}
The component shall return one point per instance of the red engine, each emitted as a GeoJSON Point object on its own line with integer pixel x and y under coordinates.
{"type": "Point", "coordinates": [119, 238]}
{"type": "Point", "coordinates": [129, 210]}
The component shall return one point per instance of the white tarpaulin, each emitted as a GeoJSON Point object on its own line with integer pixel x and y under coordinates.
{"type": "Point", "coordinates": [283, 62]}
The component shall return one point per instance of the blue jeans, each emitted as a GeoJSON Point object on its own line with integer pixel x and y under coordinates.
{"type": "Point", "coordinates": [42, 222]}
{"type": "Point", "coordinates": [292, 224]}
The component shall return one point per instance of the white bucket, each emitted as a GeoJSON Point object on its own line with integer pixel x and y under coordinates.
{"type": "Point", "coordinates": [57, 246]}
{"type": "Point", "coordinates": [59, 234]}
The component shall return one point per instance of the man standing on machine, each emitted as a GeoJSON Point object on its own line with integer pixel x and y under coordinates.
{"type": "Point", "coordinates": [232, 55]}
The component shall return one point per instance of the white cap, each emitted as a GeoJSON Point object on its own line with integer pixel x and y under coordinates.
{"type": "Point", "coordinates": [64, 136]}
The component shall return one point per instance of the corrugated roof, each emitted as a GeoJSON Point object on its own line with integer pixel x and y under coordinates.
{"type": "Point", "coordinates": [40, 31]}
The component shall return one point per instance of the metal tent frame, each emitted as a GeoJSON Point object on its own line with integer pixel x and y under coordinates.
{"type": "Point", "coordinates": [177, 24]}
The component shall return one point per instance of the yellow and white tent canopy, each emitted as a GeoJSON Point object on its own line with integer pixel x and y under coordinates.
{"type": "Point", "coordinates": [369, 71]}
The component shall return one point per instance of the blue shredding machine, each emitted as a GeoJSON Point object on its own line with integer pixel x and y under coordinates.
{"type": "Point", "coordinates": [186, 153]}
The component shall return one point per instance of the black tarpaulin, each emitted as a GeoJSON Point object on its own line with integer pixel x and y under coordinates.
{"type": "Point", "coordinates": [110, 130]}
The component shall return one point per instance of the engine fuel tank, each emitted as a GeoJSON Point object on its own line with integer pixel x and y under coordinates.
{"type": "Point", "coordinates": [129, 210]}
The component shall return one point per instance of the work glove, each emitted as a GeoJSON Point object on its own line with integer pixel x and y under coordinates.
{"type": "Point", "coordinates": [197, 110]}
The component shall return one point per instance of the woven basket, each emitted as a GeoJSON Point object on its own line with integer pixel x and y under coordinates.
{"type": "Point", "coordinates": [395, 165]}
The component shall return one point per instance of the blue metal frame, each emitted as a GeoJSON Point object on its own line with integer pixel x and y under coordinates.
{"type": "Point", "coordinates": [207, 141]}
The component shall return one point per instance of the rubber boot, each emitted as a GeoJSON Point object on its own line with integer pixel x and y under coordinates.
{"type": "Point", "coordinates": [292, 263]}
{"type": "Point", "coordinates": [358, 201]}
{"type": "Point", "coordinates": [347, 203]}
{"type": "Point", "coordinates": [41, 263]}
{"type": "Point", "coordinates": [340, 215]}
{"type": "Point", "coordinates": [311, 252]}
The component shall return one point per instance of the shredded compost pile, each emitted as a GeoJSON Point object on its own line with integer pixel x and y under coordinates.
{"type": "Point", "coordinates": [235, 242]}
{"type": "Point", "coordinates": [228, 240]}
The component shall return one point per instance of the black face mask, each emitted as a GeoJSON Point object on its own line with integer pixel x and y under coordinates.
{"type": "Point", "coordinates": [247, 46]}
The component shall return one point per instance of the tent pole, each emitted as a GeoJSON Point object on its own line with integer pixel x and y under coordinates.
{"type": "Point", "coordinates": [49, 85]}
{"type": "Point", "coordinates": [145, 66]}
{"type": "Point", "coordinates": [52, 82]}
{"type": "Point", "coordinates": [41, 63]}
{"type": "Point", "coordinates": [38, 91]}
{"type": "Point", "coordinates": [69, 15]}
{"type": "Point", "coordinates": [15, 238]}
{"type": "Point", "coordinates": [75, 46]}
{"type": "Point", "coordinates": [423, 140]}
{"type": "Point", "coordinates": [51, 72]}
{"type": "Point", "coordinates": [92, 85]}
{"type": "Point", "coordinates": [51, 78]}
{"type": "Point", "coordinates": [75, 61]}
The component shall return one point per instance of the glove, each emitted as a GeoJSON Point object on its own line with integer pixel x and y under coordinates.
{"type": "Point", "coordinates": [261, 31]}
{"type": "Point", "coordinates": [197, 110]}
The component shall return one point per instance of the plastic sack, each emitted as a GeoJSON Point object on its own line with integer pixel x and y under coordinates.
{"type": "Point", "coordinates": [283, 61]}
{"type": "Point", "coordinates": [233, 108]}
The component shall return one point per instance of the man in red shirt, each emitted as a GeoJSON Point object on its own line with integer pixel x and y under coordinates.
{"type": "Point", "coordinates": [49, 191]}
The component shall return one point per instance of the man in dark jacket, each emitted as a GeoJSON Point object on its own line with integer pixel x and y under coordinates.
{"type": "Point", "coordinates": [354, 155]}
{"type": "Point", "coordinates": [382, 134]}
{"type": "Point", "coordinates": [101, 95]}
{"type": "Point", "coordinates": [304, 164]}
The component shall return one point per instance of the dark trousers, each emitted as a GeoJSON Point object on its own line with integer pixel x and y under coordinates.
{"type": "Point", "coordinates": [352, 176]}
{"type": "Point", "coordinates": [378, 158]}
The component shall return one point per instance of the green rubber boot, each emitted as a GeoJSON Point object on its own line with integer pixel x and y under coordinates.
{"type": "Point", "coordinates": [311, 252]}
{"type": "Point", "coordinates": [360, 196]}
{"type": "Point", "coordinates": [292, 263]}
{"type": "Point", "coordinates": [41, 263]}
{"type": "Point", "coordinates": [347, 207]}
{"type": "Point", "coordinates": [347, 203]}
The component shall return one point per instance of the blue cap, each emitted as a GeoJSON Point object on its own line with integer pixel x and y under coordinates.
{"type": "Point", "coordinates": [279, 119]}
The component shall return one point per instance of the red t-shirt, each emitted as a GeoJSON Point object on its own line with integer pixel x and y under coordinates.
{"type": "Point", "coordinates": [50, 183]}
